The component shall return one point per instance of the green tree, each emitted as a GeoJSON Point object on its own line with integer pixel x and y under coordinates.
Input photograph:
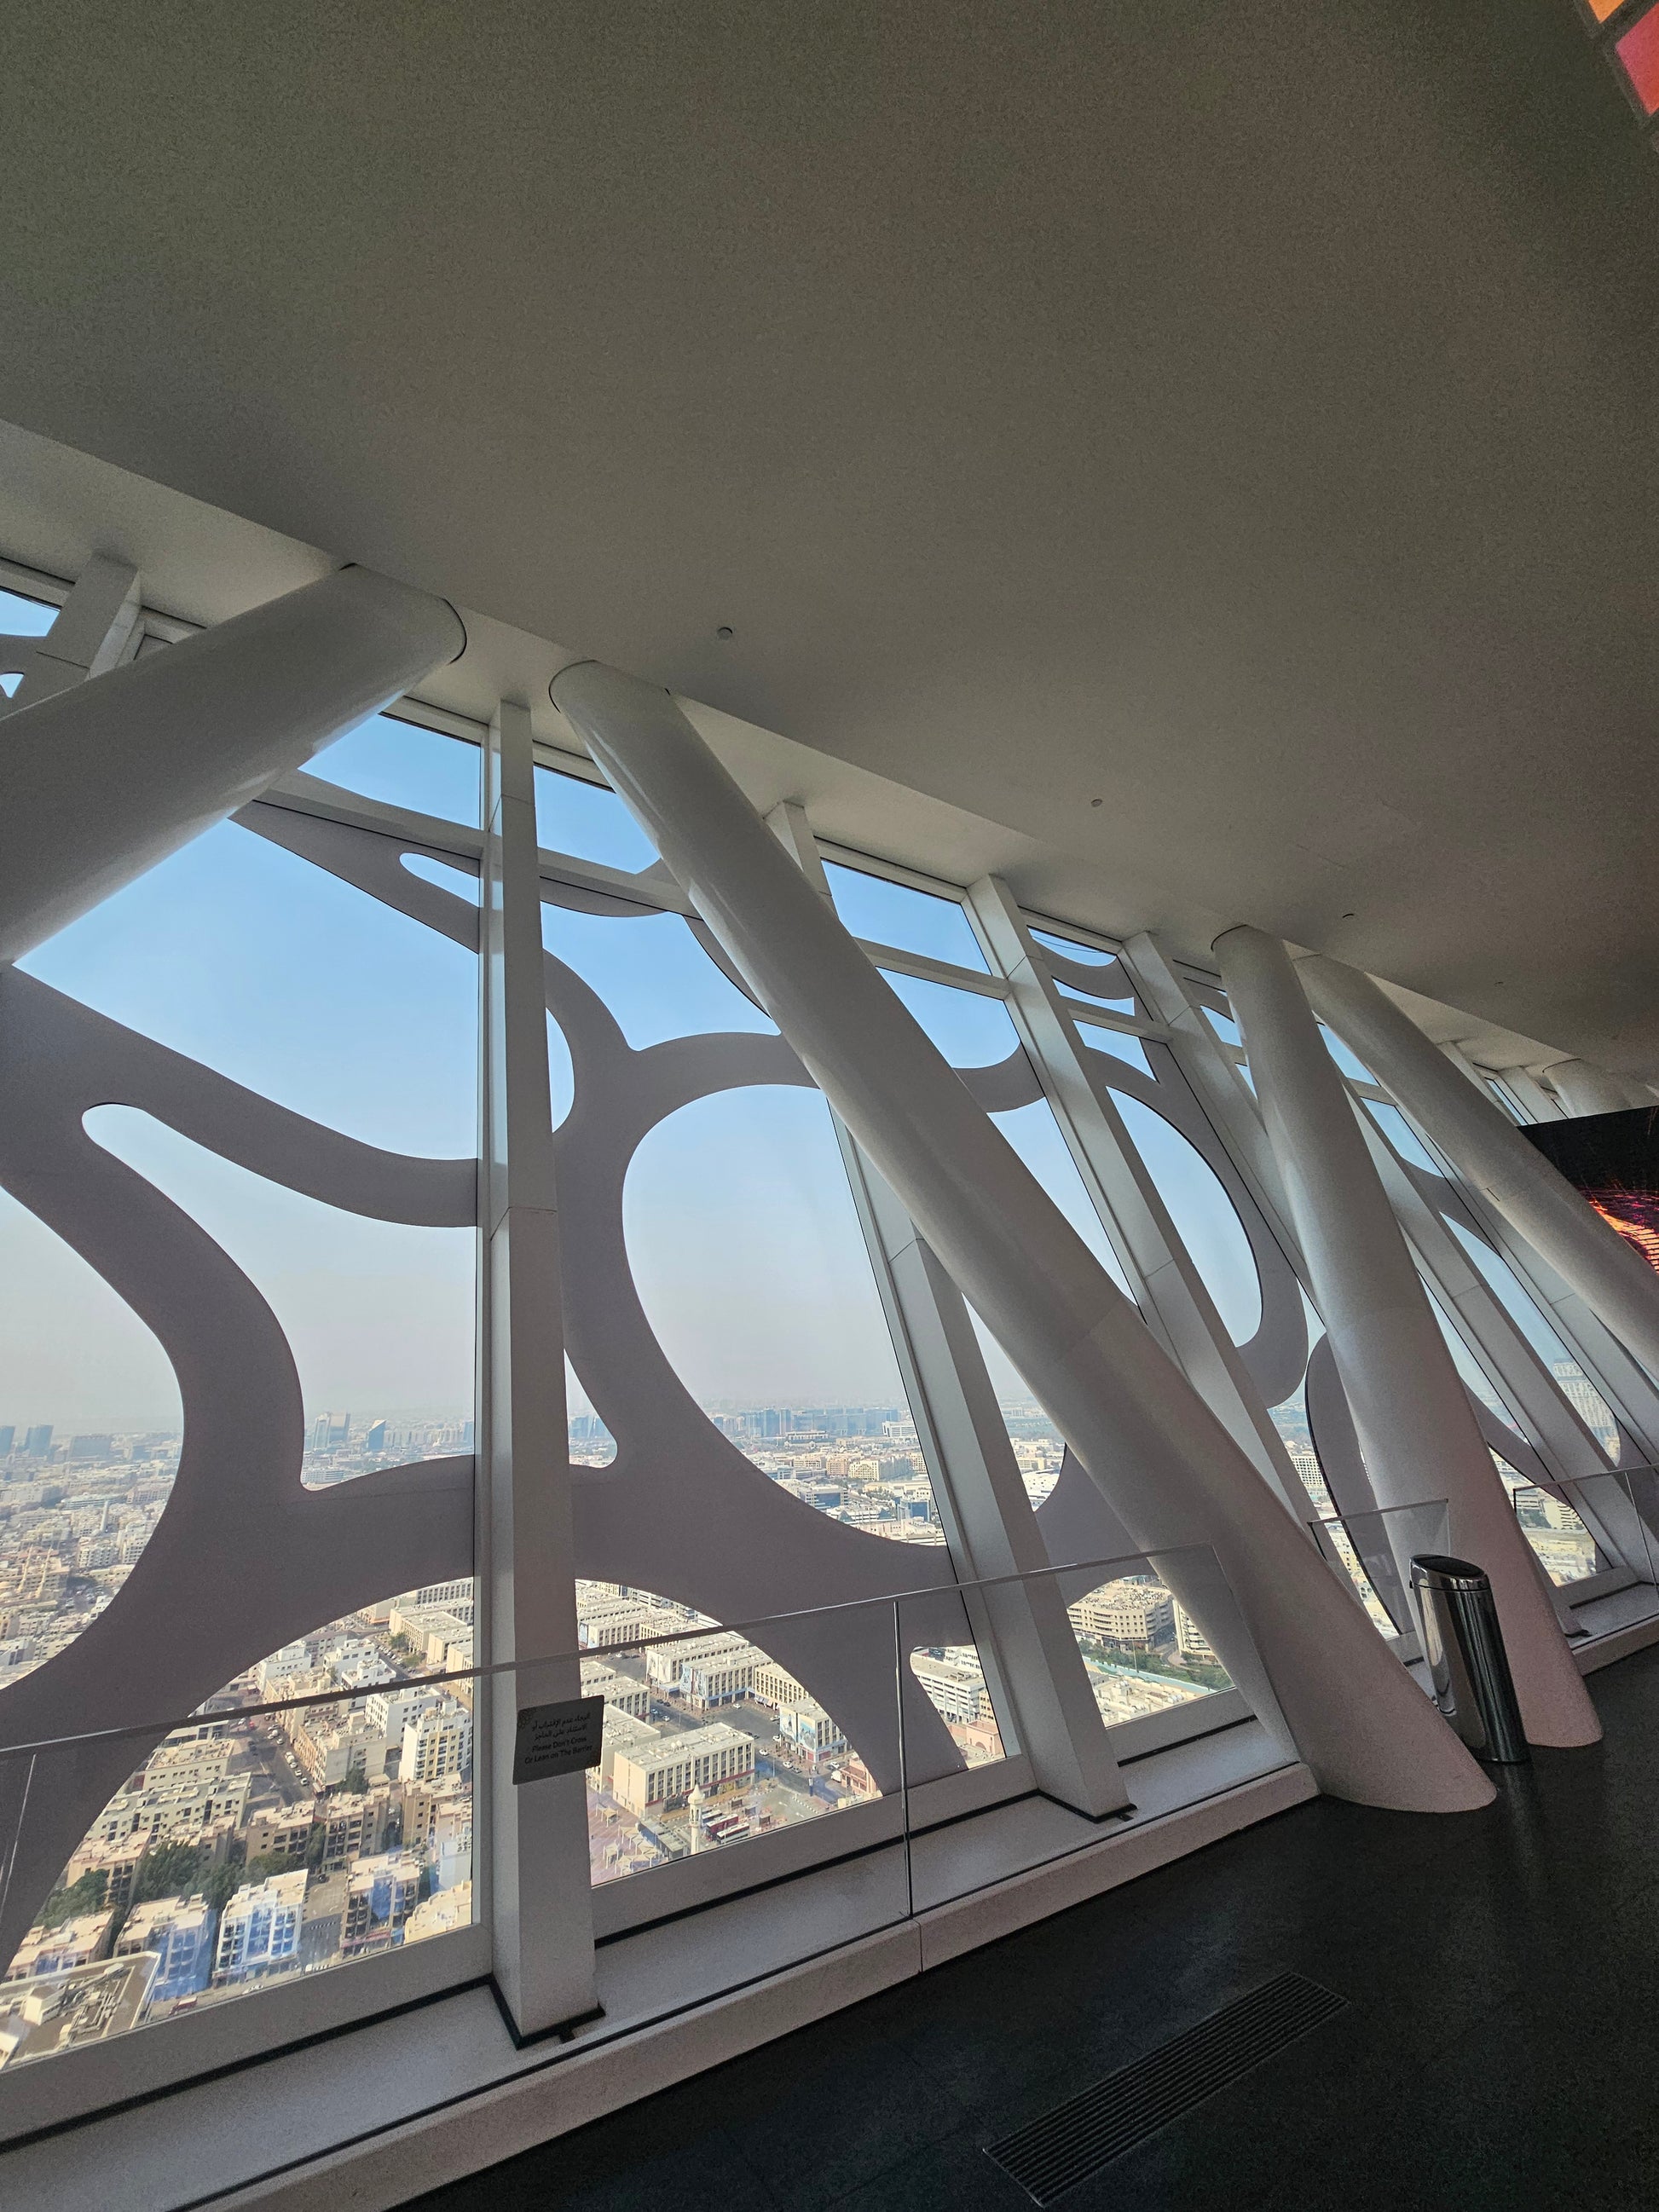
{"type": "Point", "coordinates": [172, 1870]}
{"type": "Point", "coordinates": [86, 1894]}
{"type": "Point", "coordinates": [220, 1882]}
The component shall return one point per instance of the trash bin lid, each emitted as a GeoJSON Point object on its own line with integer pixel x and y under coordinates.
{"type": "Point", "coordinates": [1443, 1572]}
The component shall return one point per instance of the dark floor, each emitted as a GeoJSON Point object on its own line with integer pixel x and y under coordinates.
{"type": "Point", "coordinates": [1502, 2048]}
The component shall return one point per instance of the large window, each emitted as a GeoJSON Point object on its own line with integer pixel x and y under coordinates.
{"type": "Point", "coordinates": [237, 1315]}
{"type": "Point", "coordinates": [239, 1312]}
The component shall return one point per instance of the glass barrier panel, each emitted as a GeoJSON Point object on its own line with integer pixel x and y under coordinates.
{"type": "Point", "coordinates": [711, 1739]}
{"type": "Point", "coordinates": [1564, 1546]}
{"type": "Point", "coordinates": [1144, 1651]}
{"type": "Point", "coordinates": [1152, 1631]}
{"type": "Point", "coordinates": [1373, 1553]}
{"type": "Point", "coordinates": [249, 1845]}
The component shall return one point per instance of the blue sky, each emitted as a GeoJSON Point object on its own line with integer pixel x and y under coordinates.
{"type": "Point", "coordinates": [738, 1219]}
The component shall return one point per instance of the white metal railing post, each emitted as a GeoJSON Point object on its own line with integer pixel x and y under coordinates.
{"type": "Point", "coordinates": [539, 1904]}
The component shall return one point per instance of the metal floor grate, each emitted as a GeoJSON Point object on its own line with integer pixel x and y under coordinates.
{"type": "Point", "coordinates": [1078, 2137]}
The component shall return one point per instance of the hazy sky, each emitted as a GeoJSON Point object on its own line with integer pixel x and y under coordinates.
{"type": "Point", "coordinates": [739, 1224]}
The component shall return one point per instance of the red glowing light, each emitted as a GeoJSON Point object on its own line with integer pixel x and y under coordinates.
{"type": "Point", "coordinates": [1638, 57]}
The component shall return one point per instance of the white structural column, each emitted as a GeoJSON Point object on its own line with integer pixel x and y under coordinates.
{"type": "Point", "coordinates": [1417, 1430]}
{"type": "Point", "coordinates": [108, 776]}
{"type": "Point", "coordinates": [1583, 1087]}
{"type": "Point", "coordinates": [1033, 1653]}
{"type": "Point", "coordinates": [1221, 1089]}
{"type": "Point", "coordinates": [92, 634]}
{"type": "Point", "coordinates": [540, 1903]}
{"type": "Point", "coordinates": [1162, 1458]}
{"type": "Point", "coordinates": [1025, 1636]}
{"type": "Point", "coordinates": [1484, 1147]}
{"type": "Point", "coordinates": [1176, 1305]}
{"type": "Point", "coordinates": [1024, 1633]}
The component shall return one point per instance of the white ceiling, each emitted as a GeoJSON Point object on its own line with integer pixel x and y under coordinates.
{"type": "Point", "coordinates": [1240, 415]}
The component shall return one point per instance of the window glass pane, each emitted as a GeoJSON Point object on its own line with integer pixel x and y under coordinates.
{"type": "Point", "coordinates": [401, 764]}
{"type": "Point", "coordinates": [1566, 1548]}
{"type": "Point", "coordinates": [1120, 1002]}
{"type": "Point", "coordinates": [1398, 1131]}
{"type": "Point", "coordinates": [1575, 1385]}
{"type": "Point", "coordinates": [591, 1444]}
{"type": "Point", "coordinates": [1347, 1061]}
{"type": "Point", "coordinates": [90, 1424]}
{"type": "Point", "coordinates": [22, 618]}
{"type": "Point", "coordinates": [894, 913]}
{"type": "Point", "coordinates": [379, 1315]}
{"type": "Point", "coordinates": [969, 1030]}
{"type": "Point", "coordinates": [1143, 1651]}
{"type": "Point", "coordinates": [462, 882]}
{"type": "Point", "coordinates": [240, 1853]}
{"type": "Point", "coordinates": [651, 973]}
{"type": "Point", "coordinates": [590, 822]}
{"type": "Point", "coordinates": [747, 1255]}
{"type": "Point", "coordinates": [248, 1847]}
{"type": "Point", "coordinates": [1086, 955]}
{"type": "Point", "coordinates": [1035, 1135]}
{"type": "Point", "coordinates": [1225, 1027]}
{"type": "Point", "coordinates": [1203, 1215]}
{"type": "Point", "coordinates": [246, 957]}
{"type": "Point", "coordinates": [954, 1679]}
{"type": "Point", "coordinates": [709, 1740]}
{"type": "Point", "coordinates": [1129, 1049]}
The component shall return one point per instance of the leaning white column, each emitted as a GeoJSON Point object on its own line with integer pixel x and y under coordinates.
{"type": "Point", "coordinates": [1483, 1144]}
{"type": "Point", "coordinates": [1171, 1469]}
{"type": "Point", "coordinates": [1583, 1087]}
{"type": "Point", "coordinates": [1416, 1428]}
{"type": "Point", "coordinates": [103, 780]}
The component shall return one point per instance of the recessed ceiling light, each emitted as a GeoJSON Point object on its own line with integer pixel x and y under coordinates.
{"type": "Point", "coordinates": [1096, 802]}
{"type": "Point", "coordinates": [724, 632]}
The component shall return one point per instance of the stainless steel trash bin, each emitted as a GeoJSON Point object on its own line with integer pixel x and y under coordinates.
{"type": "Point", "coordinates": [1463, 1647]}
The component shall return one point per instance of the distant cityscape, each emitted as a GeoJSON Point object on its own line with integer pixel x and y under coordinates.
{"type": "Point", "coordinates": [252, 1845]}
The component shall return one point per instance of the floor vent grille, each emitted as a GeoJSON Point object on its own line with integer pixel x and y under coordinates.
{"type": "Point", "coordinates": [1078, 2137]}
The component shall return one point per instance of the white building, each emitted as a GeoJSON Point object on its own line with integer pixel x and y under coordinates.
{"type": "Point", "coordinates": [436, 1742]}
{"type": "Point", "coordinates": [260, 1932]}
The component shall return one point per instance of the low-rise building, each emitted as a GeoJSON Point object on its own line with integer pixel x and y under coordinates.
{"type": "Point", "coordinates": [623, 1693]}
{"type": "Point", "coordinates": [177, 1932]}
{"type": "Point", "coordinates": [381, 1894]}
{"type": "Point", "coordinates": [665, 1771]}
{"type": "Point", "coordinates": [956, 1685]}
{"type": "Point", "coordinates": [623, 1732]}
{"type": "Point", "coordinates": [705, 1670]}
{"type": "Point", "coordinates": [1134, 1613]}
{"type": "Point", "coordinates": [604, 1621]}
{"type": "Point", "coordinates": [776, 1685]}
{"type": "Point", "coordinates": [355, 1824]}
{"type": "Point", "coordinates": [441, 1915]}
{"type": "Point", "coordinates": [58, 1950]}
{"type": "Point", "coordinates": [118, 1863]}
{"type": "Point", "coordinates": [328, 1749]}
{"type": "Point", "coordinates": [815, 1735]}
{"type": "Point", "coordinates": [281, 1831]}
{"type": "Point", "coordinates": [1191, 1641]}
{"type": "Point", "coordinates": [259, 1931]}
